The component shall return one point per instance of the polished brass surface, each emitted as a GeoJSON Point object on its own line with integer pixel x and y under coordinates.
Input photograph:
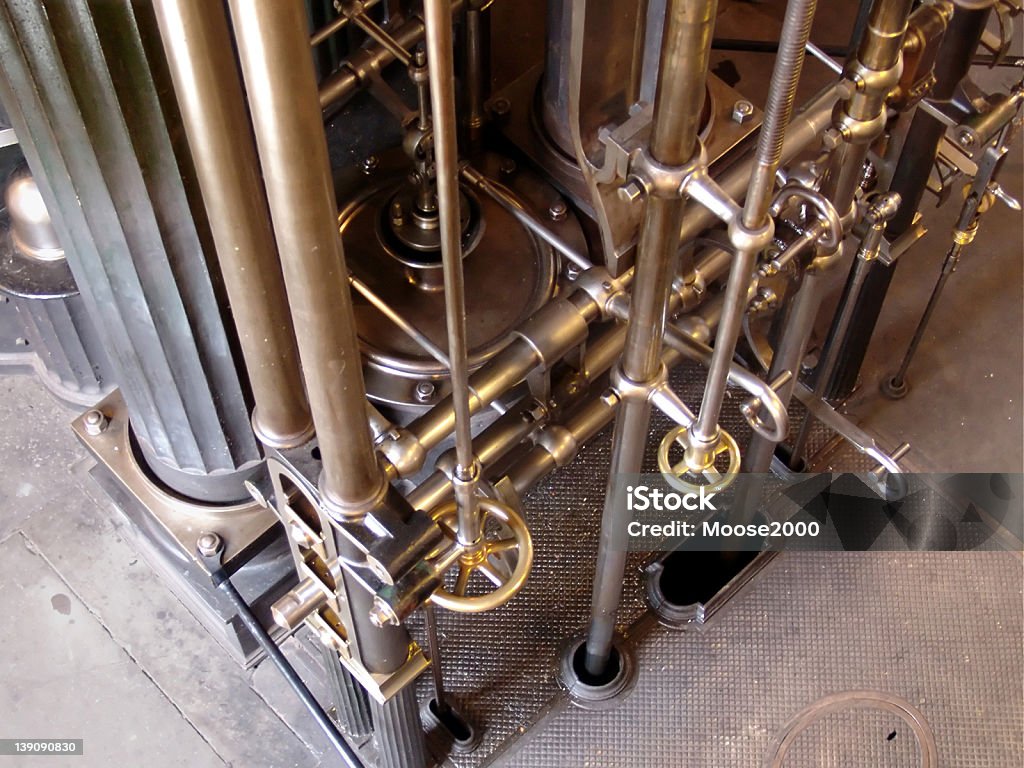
{"type": "Point", "coordinates": [292, 148]}
{"type": "Point", "coordinates": [209, 93]}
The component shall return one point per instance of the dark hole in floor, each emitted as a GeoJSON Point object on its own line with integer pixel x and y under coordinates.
{"type": "Point", "coordinates": [315, 453]}
{"type": "Point", "coordinates": [579, 667]}
{"type": "Point", "coordinates": [696, 577]}
{"type": "Point", "coordinates": [452, 722]}
{"type": "Point", "coordinates": [891, 736]}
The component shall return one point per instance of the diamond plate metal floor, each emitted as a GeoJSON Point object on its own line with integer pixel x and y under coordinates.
{"type": "Point", "coordinates": [942, 631]}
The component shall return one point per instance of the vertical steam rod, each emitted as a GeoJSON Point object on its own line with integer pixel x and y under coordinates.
{"type": "Point", "coordinates": [438, 20]}
{"type": "Point", "coordinates": [685, 50]}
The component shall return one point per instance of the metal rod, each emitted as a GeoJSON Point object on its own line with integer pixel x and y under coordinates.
{"type": "Point", "coordinates": [342, 747]}
{"type": "Point", "coordinates": [198, 44]}
{"type": "Point", "coordinates": [476, 72]}
{"type": "Point", "coordinates": [399, 320]}
{"type": "Point", "coordinates": [438, 18]}
{"type": "Point", "coordinates": [796, 29]}
{"type": "Point", "coordinates": [879, 50]}
{"type": "Point", "coordinates": [500, 194]}
{"type": "Point", "coordinates": [338, 24]}
{"type": "Point", "coordinates": [434, 643]}
{"type": "Point", "coordinates": [273, 48]}
{"type": "Point", "coordinates": [881, 211]}
{"type": "Point", "coordinates": [382, 38]}
{"type": "Point", "coordinates": [685, 50]}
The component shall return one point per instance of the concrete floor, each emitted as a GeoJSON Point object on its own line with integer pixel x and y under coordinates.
{"type": "Point", "coordinates": [96, 647]}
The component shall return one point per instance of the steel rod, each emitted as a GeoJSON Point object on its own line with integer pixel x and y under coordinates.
{"type": "Point", "coordinates": [209, 93]}
{"type": "Point", "coordinates": [796, 30]}
{"type": "Point", "coordinates": [399, 320]}
{"type": "Point", "coordinates": [273, 47]}
{"type": "Point", "coordinates": [685, 50]}
{"type": "Point", "coordinates": [438, 19]}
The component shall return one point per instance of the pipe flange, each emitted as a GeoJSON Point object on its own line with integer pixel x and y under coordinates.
{"type": "Point", "coordinates": [599, 692]}
{"type": "Point", "coordinates": [666, 181]}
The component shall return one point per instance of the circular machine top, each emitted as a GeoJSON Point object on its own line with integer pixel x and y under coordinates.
{"type": "Point", "coordinates": [509, 274]}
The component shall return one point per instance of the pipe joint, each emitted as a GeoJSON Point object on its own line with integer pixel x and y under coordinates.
{"type": "Point", "coordinates": [628, 389]}
{"type": "Point", "coordinates": [666, 181]}
{"type": "Point", "coordinates": [560, 443]}
{"type": "Point", "coordinates": [598, 284]}
{"type": "Point", "coordinates": [876, 81]}
{"type": "Point", "coordinates": [751, 239]}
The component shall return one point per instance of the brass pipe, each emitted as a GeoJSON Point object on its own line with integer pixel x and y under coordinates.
{"type": "Point", "coordinates": [273, 46]}
{"type": "Point", "coordinates": [198, 44]}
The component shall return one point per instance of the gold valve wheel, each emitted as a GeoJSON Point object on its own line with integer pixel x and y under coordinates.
{"type": "Point", "coordinates": [716, 481]}
{"type": "Point", "coordinates": [486, 558]}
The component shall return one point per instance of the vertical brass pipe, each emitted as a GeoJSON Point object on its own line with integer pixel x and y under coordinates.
{"type": "Point", "coordinates": [198, 45]}
{"type": "Point", "coordinates": [685, 49]}
{"type": "Point", "coordinates": [273, 45]}
{"type": "Point", "coordinates": [438, 19]}
{"type": "Point", "coordinates": [863, 111]}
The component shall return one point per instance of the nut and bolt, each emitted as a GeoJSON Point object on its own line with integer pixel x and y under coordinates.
{"type": "Point", "coordinates": [425, 391]}
{"type": "Point", "coordinates": [610, 398]}
{"type": "Point", "coordinates": [397, 214]}
{"type": "Point", "coordinates": [572, 271]}
{"type": "Point", "coordinates": [95, 422]}
{"type": "Point", "coordinates": [631, 192]}
{"type": "Point", "coordinates": [742, 111]}
{"type": "Point", "coordinates": [501, 107]}
{"type": "Point", "coordinates": [508, 166]}
{"type": "Point", "coordinates": [209, 544]}
{"type": "Point", "coordinates": [965, 138]}
{"type": "Point", "coordinates": [370, 164]}
{"type": "Point", "coordinates": [558, 211]}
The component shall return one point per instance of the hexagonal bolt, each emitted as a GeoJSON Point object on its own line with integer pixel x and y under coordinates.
{"type": "Point", "coordinates": [209, 544]}
{"type": "Point", "coordinates": [742, 111]}
{"type": "Point", "coordinates": [501, 107]}
{"type": "Point", "coordinates": [425, 391]}
{"type": "Point", "coordinates": [95, 422]}
{"type": "Point", "coordinates": [631, 191]}
{"type": "Point", "coordinates": [572, 271]}
{"type": "Point", "coordinates": [558, 211]}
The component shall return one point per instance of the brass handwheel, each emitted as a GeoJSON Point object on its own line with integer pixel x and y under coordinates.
{"type": "Point", "coordinates": [716, 481]}
{"type": "Point", "coordinates": [480, 560]}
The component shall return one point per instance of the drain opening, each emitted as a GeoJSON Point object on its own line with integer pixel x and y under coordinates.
{"type": "Point", "coordinates": [607, 676]}
{"type": "Point", "coordinates": [689, 578]}
{"type": "Point", "coordinates": [460, 730]}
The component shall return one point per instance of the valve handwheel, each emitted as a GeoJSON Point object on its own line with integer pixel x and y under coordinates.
{"type": "Point", "coordinates": [716, 481]}
{"type": "Point", "coordinates": [519, 542]}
